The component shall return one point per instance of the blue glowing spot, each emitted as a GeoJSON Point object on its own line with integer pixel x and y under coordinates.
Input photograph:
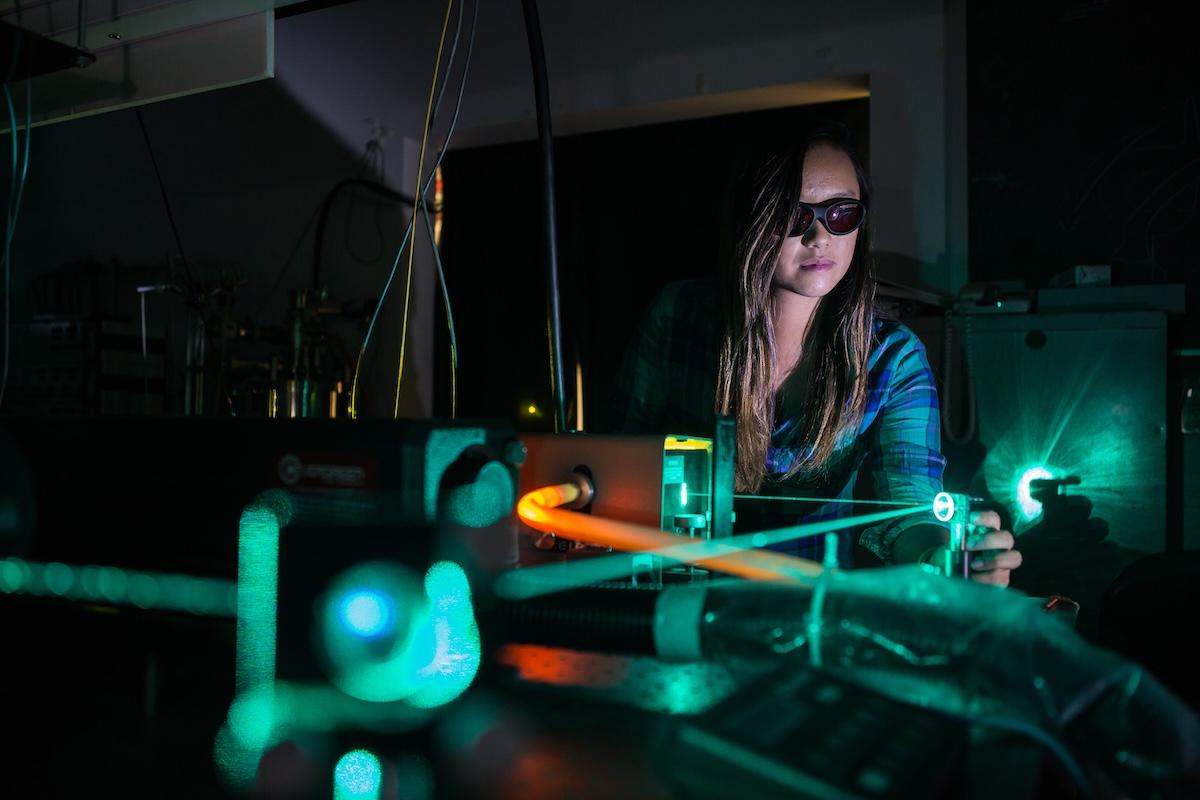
{"type": "Point", "coordinates": [357, 774]}
{"type": "Point", "coordinates": [366, 613]}
{"type": "Point", "coordinates": [758, 540]}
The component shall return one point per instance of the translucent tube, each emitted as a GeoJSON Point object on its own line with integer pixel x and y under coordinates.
{"type": "Point", "coordinates": [965, 649]}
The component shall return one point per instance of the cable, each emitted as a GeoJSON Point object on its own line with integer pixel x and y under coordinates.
{"type": "Point", "coordinates": [412, 220]}
{"type": "Point", "coordinates": [538, 510]}
{"type": "Point", "coordinates": [541, 91]}
{"type": "Point", "coordinates": [16, 192]}
{"type": "Point", "coordinates": [319, 239]}
{"type": "Point", "coordinates": [420, 171]}
{"type": "Point", "coordinates": [162, 188]}
{"type": "Point", "coordinates": [287, 263]}
{"type": "Point", "coordinates": [441, 275]}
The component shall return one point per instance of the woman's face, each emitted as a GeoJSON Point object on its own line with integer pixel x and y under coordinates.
{"type": "Point", "coordinates": [812, 264]}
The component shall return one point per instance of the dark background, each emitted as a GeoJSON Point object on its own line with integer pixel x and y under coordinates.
{"type": "Point", "coordinates": [1084, 143]}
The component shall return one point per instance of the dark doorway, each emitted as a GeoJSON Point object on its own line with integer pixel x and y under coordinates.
{"type": "Point", "coordinates": [637, 209]}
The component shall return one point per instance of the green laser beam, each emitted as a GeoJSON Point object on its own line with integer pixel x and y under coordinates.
{"type": "Point", "coordinates": [211, 597]}
{"type": "Point", "coordinates": [520, 584]}
{"type": "Point", "coordinates": [830, 500]}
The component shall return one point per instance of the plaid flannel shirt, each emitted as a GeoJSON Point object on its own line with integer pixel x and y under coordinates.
{"type": "Point", "coordinates": [667, 384]}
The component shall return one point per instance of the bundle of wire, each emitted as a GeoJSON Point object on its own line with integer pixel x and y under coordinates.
{"type": "Point", "coordinates": [423, 183]}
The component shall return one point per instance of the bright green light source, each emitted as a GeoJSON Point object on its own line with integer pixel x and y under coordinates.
{"type": "Point", "coordinates": [366, 613]}
{"type": "Point", "coordinates": [484, 501]}
{"type": "Point", "coordinates": [1029, 506]}
{"type": "Point", "coordinates": [683, 494]}
{"type": "Point", "coordinates": [90, 584]}
{"type": "Point", "coordinates": [258, 571]}
{"type": "Point", "coordinates": [447, 585]}
{"type": "Point", "coordinates": [943, 506]}
{"type": "Point", "coordinates": [252, 718]}
{"type": "Point", "coordinates": [367, 659]}
{"type": "Point", "coordinates": [456, 651]}
{"type": "Point", "coordinates": [58, 577]}
{"type": "Point", "coordinates": [358, 774]}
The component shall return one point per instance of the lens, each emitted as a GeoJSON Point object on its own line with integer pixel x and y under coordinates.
{"type": "Point", "coordinates": [844, 217]}
{"type": "Point", "coordinates": [804, 222]}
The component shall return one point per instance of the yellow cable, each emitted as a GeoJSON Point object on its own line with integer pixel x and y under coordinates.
{"type": "Point", "coordinates": [437, 66]}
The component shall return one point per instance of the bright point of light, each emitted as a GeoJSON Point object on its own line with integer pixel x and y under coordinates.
{"type": "Point", "coordinates": [532, 409]}
{"type": "Point", "coordinates": [683, 494]}
{"type": "Point", "coordinates": [943, 506]}
{"type": "Point", "coordinates": [366, 612]}
{"type": "Point", "coordinates": [357, 774]}
{"type": "Point", "coordinates": [1029, 506]}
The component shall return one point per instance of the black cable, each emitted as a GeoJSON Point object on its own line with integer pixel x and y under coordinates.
{"type": "Point", "coordinates": [187, 269]}
{"type": "Point", "coordinates": [372, 172]}
{"type": "Point", "coordinates": [319, 240]}
{"type": "Point", "coordinates": [16, 191]}
{"type": "Point", "coordinates": [287, 263]}
{"type": "Point", "coordinates": [541, 91]}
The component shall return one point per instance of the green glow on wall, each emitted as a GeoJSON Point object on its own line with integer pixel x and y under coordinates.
{"type": "Point", "coordinates": [1097, 417]}
{"type": "Point", "coordinates": [357, 775]}
{"type": "Point", "coordinates": [114, 586]}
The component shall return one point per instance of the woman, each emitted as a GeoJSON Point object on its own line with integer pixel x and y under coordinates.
{"type": "Point", "coordinates": [831, 399]}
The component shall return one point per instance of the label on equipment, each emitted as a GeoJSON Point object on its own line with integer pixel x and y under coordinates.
{"type": "Point", "coordinates": [672, 469]}
{"type": "Point", "coordinates": [325, 471]}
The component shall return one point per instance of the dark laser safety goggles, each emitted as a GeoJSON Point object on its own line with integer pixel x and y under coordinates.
{"type": "Point", "coordinates": [840, 216]}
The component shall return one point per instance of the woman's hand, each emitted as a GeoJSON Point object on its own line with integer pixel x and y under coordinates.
{"type": "Point", "coordinates": [992, 555]}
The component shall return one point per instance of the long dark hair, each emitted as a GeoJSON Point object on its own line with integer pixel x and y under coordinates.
{"type": "Point", "coordinates": [839, 338]}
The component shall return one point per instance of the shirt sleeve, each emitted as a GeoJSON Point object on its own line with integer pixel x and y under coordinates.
{"type": "Point", "coordinates": [638, 402]}
{"type": "Point", "coordinates": [904, 455]}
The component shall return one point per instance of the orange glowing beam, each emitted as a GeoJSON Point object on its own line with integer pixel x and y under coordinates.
{"type": "Point", "coordinates": [539, 510]}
